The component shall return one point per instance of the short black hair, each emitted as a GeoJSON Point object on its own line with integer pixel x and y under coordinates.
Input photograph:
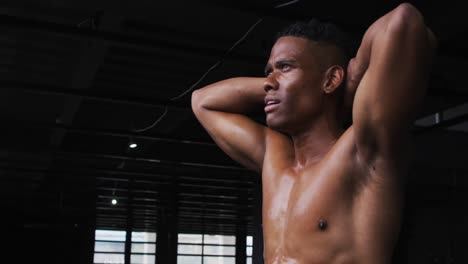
{"type": "Point", "coordinates": [322, 32]}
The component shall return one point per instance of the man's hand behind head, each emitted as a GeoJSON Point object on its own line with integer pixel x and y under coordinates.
{"type": "Point", "coordinates": [353, 77]}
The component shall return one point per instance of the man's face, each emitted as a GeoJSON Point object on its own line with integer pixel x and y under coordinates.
{"type": "Point", "coordinates": [293, 84]}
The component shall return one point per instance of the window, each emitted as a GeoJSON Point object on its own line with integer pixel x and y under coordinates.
{"type": "Point", "coordinates": [143, 249]}
{"type": "Point", "coordinates": [109, 247]}
{"type": "Point", "coordinates": [206, 249]}
{"type": "Point", "coordinates": [249, 246]}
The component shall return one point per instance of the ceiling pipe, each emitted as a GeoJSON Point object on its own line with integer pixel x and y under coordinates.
{"type": "Point", "coordinates": [109, 132]}
{"type": "Point", "coordinates": [115, 38]}
{"type": "Point", "coordinates": [56, 90]}
{"type": "Point", "coordinates": [111, 175]}
{"type": "Point", "coordinates": [77, 155]}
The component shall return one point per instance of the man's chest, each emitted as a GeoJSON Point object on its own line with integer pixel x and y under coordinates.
{"type": "Point", "coordinates": [306, 201]}
{"type": "Point", "coordinates": [310, 211]}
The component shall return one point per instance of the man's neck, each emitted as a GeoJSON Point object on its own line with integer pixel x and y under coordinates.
{"type": "Point", "coordinates": [312, 144]}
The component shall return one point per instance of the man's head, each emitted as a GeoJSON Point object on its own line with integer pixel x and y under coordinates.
{"type": "Point", "coordinates": [323, 34]}
{"type": "Point", "coordinates": [305, 74]}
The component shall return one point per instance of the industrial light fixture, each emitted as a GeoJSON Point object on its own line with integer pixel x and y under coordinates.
{"type": "Point", "coordinates": [132, 144]}
{"type": "Point", "coordinates": [114, 201]}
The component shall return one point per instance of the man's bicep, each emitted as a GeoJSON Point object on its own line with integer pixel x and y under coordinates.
{"type": "Point", "coordinates": [391, 91]}
{"type": "Point", "coordinates": [238, 136]}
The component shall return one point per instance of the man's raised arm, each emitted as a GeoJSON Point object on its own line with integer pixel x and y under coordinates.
{"type": "Point", "coordinates": [391, 71]}
{"type": "Point", "coordinates": [222, 107]}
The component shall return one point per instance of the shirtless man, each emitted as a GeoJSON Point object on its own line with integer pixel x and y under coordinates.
{"type": "Point", "coordinates": [329, 195]}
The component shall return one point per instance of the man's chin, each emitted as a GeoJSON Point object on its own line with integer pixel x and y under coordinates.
{"type": "Point", "coordinates": [276, 125]}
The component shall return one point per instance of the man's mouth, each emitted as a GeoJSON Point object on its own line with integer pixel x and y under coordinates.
{"type": "Point", "coordinates": [271, 104]}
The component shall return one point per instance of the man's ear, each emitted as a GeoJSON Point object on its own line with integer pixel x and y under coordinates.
{"type": "Point", "coordinates": [333, 78]}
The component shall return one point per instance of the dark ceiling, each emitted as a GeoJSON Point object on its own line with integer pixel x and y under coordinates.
{"type": "Point", "coordinates": [81, 80]}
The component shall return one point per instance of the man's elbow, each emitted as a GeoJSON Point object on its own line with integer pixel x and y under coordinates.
{"type": "Point", "coordinates": [407, 24]}
{"type": "Point", "coordinates": [410, 17]}
{"type": "Point", "coordinates": [196, 101]}
{"type": "Point", "coordinates": [406, 17]}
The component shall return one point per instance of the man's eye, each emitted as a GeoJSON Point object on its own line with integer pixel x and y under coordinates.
{"type": "Point", "coordinates": [284, 66]}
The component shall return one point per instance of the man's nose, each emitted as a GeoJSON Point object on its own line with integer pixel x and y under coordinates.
{"type": "Point", "coordinates": [270, 83]}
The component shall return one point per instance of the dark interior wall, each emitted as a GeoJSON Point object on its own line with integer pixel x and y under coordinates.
{"type": "Point", "coordinates": [434, 228]}
{"type": "Point", "coordinates": [435, 233]}
{"type": "Point", "coordinates": [438, 235]}
{"type": "Point", "coordinates": [49, 244]}
{"type": "Point", "coordinates": [56, 233]}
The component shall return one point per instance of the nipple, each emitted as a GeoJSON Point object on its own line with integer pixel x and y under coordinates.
{"type": "Point", "coordinates": [322, 224]}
